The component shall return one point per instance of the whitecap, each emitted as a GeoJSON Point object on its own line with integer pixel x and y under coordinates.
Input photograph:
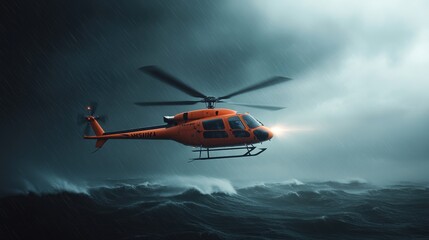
{"type": "Point", "coordinates": [205, 185]}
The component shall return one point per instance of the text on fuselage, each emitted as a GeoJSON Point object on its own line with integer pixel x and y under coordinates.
{"type": "Point", "coordinates": [143, 135]}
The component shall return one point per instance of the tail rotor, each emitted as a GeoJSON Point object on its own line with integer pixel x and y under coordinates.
{"type": "Point", "coordinates": [85, 119]}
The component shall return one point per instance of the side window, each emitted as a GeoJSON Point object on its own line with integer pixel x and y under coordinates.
{"type": "Point", "coordinates": [214, 124]}
{"type": "Point", "coordinates": [215, 134]}
{"type": "Point", "coordinates": [235, 123]}
{"type": "Point", "coordinates": [241, 134]}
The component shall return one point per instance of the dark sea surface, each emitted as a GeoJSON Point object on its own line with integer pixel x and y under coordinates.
{"type": "Point", "coordinates": [204, 208]}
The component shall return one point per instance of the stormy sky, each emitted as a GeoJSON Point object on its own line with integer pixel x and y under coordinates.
{"type": "Point", "coordinates": [358, 106]}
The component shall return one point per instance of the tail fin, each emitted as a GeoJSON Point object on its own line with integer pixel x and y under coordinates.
{"type": "Point", "coordinates": [98, 130]}
{"type": "Point", "coordinates": [99, 143]}
{"type": "Point", "coordinates": [91, 120]}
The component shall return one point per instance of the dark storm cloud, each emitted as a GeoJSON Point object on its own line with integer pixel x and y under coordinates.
{"type": "Point", "coordinates": [367, 108]}
{"type": "Point", "coordinates": [59, 55]}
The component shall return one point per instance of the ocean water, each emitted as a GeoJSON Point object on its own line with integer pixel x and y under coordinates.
{"type": "Point", "coordinates": [206, 208]}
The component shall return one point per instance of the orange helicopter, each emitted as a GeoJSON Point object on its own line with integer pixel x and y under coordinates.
{"type": "Point", "coordinates": [210, 129]}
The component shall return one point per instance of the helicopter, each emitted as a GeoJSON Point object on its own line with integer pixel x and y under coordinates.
{"type": "Point", "coordinates": [210, 130]}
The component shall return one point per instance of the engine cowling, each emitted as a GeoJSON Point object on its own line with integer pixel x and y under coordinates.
{"type": "Point", "coordinates": [197, 114]}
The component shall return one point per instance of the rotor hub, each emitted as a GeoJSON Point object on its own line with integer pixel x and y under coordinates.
{"type": "Point", "coordinates": [210, 102]}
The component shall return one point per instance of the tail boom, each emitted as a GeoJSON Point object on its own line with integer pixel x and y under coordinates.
{"type": "Point", "coordinates": [157, 133]}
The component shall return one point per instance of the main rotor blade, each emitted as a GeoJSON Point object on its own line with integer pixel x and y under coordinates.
{"type": "Point", "coordinates": [166, 103]}
{"type": "Point", "coordinates": [270, 82]}
{"type": "Point", "coordinates": [159, 74]}
{"type": "Point", "coordinates": [266, 107]}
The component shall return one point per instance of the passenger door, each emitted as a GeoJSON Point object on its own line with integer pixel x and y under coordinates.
{"type": "Point", "coordinates": [237, 128]}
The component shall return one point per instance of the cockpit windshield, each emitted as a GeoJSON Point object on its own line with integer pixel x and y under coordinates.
{"type": "Point", "coordinates": [251, 122]}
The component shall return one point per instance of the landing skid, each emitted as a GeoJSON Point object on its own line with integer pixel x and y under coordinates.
{"type": "Point", "coordinates": [249, 149]}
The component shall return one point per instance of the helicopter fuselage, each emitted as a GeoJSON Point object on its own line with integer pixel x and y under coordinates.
{"type": "Point", "coordinates": [206, 128]}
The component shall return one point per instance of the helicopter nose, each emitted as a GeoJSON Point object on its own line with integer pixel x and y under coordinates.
{"type": "Point", "coordinates": [263, 134]}
{"type": "Point", "coordinates": [270, 134]}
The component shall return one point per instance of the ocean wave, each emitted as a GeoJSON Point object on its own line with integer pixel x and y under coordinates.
{"type": "Point", "coordinates": [205, 185]}
{"type": "Point", "coordinates": [292, 182]}
{"type": "Point", "coordinates": [198, 207]}
{"type": "Point", "coordinates": [43, 183]}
